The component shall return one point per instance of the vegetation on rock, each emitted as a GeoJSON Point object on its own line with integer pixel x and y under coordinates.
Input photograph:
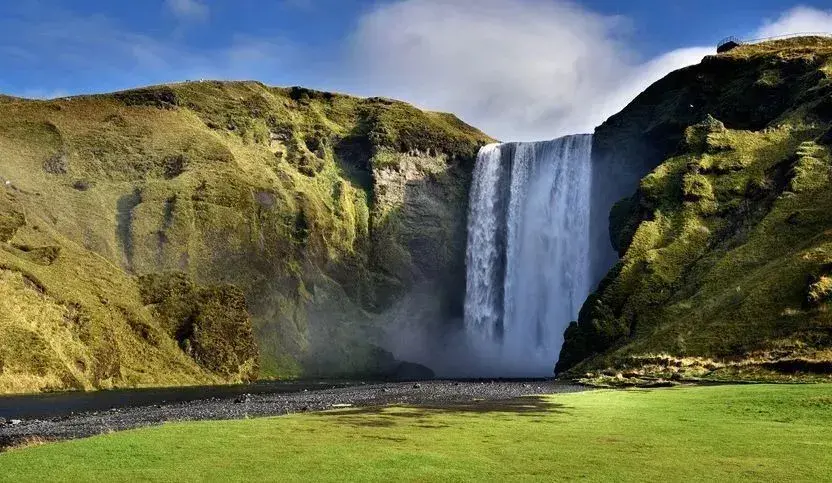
{"type": "Point", "coordinates": [212, 324]}
{"type": "Point", "coordinates": [248, 202]}
{"type": "Point", "coordinates": [725, 247]}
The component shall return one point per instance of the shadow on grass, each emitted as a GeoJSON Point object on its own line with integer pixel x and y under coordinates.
{"type": "Point", "coordinates": [387, 416]}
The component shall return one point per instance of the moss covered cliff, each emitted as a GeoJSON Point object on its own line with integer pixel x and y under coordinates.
{"type": "Point", "coordinates": [215, 232]}
{"type": "Point", "coordinates": [726, 249]}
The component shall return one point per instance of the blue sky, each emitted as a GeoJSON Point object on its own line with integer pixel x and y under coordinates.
{"type": "Point", "coordinates": [664, 25]}
{"type": "Point", "coordinates": [520, 69]}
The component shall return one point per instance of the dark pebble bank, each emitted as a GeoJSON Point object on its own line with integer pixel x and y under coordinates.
{"type": "Point", "coordinates": [433, 393]}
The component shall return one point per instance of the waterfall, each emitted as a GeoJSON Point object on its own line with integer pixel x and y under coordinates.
{"type": "Point", "coordinates": [527, 262]}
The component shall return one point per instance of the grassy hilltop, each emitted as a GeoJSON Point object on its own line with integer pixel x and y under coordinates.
{"type": "Point", "coordinates": [726, 248]}
{"type": "Point", "coordinates": [213, 232]}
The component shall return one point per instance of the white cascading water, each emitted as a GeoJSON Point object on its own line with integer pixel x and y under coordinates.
{"type": "Point", "coordinates": [527, 263]}
{"type": "Point", "coordinates": [485, 257]}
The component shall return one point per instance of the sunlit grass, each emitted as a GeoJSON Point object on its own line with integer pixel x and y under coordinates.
{"type": "Point", "coordinates": [776, 433]}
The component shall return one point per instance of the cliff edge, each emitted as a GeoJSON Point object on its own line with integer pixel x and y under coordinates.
{"type": "Point", "coordinates": [725, 262]}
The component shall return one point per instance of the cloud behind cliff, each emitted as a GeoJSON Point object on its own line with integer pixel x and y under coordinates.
{"type": "Point", "coordinates": [800, 19]}
{"type": "Point", "coordinates": [518, 69]}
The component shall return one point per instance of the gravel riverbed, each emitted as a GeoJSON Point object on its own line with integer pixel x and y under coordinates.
{"type": "Point", "coordinates": [432, 393]}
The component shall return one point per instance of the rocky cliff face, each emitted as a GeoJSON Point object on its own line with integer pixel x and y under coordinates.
{"type": "Point", "coordinates": [217, 232]}
{"type": "Point", "coordinates": [724, 246]}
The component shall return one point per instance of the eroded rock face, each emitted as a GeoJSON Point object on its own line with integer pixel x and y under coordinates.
{"type": "Point", "coordinates": [722, 243]}
{"type": "Point", "coordinates": [421, 202]}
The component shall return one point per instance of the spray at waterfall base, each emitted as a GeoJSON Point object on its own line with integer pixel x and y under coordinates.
{"type": "Point", "coordinates": [527, 261]}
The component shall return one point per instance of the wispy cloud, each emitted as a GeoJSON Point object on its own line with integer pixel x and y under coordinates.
{"type": "Point", "coordinates": [101, 52]}
{"type": "Point", "coordinates": [798, 20]}
{"type": "Point", "coordinates": [66, 40]}
{"type": "Point", "coordinates": [190, 10]}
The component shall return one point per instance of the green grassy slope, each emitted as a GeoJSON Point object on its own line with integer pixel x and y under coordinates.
{"type": "Point", "coordinates": [727, 433]}
{"type": "Point", "coordinates": [726, 250]}
{"type": "Point", "coordinates": [184, 234]}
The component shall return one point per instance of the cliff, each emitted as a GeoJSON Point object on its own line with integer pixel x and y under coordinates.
{"type": "Point", "coordinates": [214, 232]}
{"type": "Point", "coordinates": [725, 245]}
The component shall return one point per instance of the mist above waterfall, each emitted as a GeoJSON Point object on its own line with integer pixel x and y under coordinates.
{"type": "Point", "coordinates": [528, 268]}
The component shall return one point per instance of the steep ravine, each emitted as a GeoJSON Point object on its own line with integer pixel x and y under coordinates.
{"type": "Point", "coordinates": [725, 250]}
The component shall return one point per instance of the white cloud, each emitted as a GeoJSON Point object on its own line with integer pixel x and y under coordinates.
{"type": "Point", "coordinates": [518, 69]}
{"type": "Point", "coordinates": [797, 20]}
{"type": "Point", "coordinates": [193, 10]}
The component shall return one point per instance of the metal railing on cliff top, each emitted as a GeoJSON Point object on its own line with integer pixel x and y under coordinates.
{"type": "Point", "coordinates": [739, 41]}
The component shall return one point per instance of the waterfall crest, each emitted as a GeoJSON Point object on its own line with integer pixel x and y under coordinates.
{"type": "Point", "coordinates": [527, 261]}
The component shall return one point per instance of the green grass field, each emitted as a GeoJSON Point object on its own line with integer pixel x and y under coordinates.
{"type": "Point", "coordinates": [758, 432]}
